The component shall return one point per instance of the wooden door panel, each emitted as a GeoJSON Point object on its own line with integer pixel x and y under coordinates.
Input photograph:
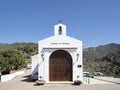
{"type": "Point", "coordinates": [60, 70]}
{"type": "Point", "coordinates": [60, 66]}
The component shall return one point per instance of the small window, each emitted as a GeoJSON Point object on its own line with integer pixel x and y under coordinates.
{"type": "Point", "coordinates": [60, 30]}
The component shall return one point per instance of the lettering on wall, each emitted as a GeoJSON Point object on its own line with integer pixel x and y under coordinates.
{"type": "Point", "coordinates": [60, 43]}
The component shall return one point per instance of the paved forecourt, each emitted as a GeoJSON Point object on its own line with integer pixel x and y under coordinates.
{"type": "Point", "coordinates": [23, 82]}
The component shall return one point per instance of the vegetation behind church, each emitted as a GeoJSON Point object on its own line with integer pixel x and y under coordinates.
{"type": "Point", "coordinates": [104, 58]}
{"type": "Point", "coordinates": [15, 56]}
{"type": "Point", "coordinates": [11, 60]}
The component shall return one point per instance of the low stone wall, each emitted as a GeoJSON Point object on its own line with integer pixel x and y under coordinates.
{"type": "Point", "coordinates": [8, 77]}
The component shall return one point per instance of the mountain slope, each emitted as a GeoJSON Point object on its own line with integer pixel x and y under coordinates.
{"type": "Point", "coordinates": [100, 51]}
{"type": "Point", "coordinates": [28, 49]}
{"type": "Point", "coordinates": [105, 58]}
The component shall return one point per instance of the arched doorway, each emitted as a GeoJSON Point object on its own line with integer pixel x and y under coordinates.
{"type": "Point", "coordinates": [60, 66]}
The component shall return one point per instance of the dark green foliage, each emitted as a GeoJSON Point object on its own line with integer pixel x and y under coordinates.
{"type": "Point", "coordinates": [105, 59]}
{"type": "Point", "coordinates": [113, 60]}
{"type": "Point", "coordinates": [28, 49]}
{"type": "Point", "coordinates": [16, 56]}
{"type": "Point", "coordinates": [11, 60]}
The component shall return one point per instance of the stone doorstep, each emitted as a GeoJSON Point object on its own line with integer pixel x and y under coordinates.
{"type": "Point", "coordinates": [59, 82]}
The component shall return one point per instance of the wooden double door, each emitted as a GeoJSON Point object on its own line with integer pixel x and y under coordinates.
{"type": "Point", "coordinates": [60, 68]}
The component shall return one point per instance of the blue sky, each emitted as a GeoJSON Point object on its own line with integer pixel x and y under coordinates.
{"type": "Point", "coordinates": [95, 22]}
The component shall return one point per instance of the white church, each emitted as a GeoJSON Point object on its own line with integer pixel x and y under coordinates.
{"type": "Point", "coordinates": [59, 58]}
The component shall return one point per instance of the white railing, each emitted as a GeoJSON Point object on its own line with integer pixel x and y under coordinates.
{"type": "Point", "coordinates": [86, 80]}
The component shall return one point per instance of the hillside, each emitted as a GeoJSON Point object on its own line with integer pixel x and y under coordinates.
{"type": "Point", "coordinates": [28, 49]}
{"type": "Point", "coordinates": [105, 58]}
{"type": "Point", "coordinates": [100, 51]}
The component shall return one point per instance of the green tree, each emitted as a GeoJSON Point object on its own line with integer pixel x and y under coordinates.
{"type": "Point", "coordinates": [28, 49]}
{"type": "Point", "coordinates": [11, 60]}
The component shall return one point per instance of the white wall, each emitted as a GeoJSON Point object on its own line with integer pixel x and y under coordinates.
{"type": "Point", "coordinates": [35, 63]}
{"type": "Point", "coordinates": [8, 77]}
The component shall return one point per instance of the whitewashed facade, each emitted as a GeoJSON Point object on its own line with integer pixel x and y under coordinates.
{"type": "Point", "coordinates": [49, 65]}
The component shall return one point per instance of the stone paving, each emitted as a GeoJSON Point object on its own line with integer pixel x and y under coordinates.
{"type": "Point", "coordinates": [109, 79]}
{"type": "Point", "coordinates": [23, 82]}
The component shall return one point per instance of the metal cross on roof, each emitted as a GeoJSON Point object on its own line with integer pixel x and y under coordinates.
{"type": "Point", "coordinates": [60, 21]}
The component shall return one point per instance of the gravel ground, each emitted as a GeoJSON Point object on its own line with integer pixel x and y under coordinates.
{"type": "Point", "coordinates": [23, 83]}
